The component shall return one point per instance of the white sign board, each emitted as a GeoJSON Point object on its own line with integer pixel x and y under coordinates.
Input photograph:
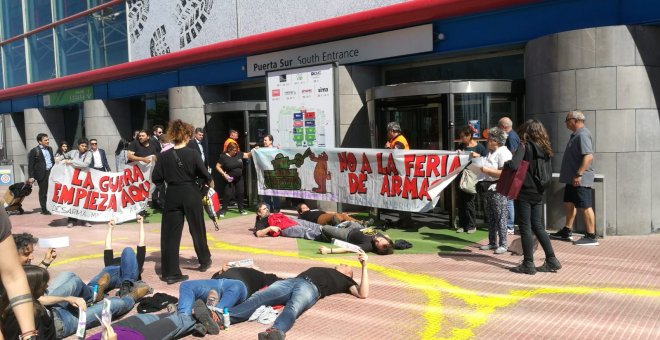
{"type": "Point", "coordinates": [301, 107]}
{"type": "Point", "coordinates": [395, 43]}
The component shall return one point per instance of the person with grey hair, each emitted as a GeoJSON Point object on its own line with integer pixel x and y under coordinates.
{"type": "Point", "coordinates": [396, 140]}
{"type": "Point", "coordinates": [578, 175]}
{"type": "Point", "coordinates": [512, 142]}
{"type": "Point", "coordinates": [487, 178]}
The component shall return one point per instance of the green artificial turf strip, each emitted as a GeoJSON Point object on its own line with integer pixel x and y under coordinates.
{"type": "Point", "coordinates": [424, 240]}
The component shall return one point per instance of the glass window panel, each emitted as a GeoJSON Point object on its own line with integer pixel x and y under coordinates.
{"type": "Point", "coordinates": [42, 57]}
{"type": "Point", "coordinates": [39, 13]}
{"type": "Point", "coordinates": [67, 8]}
{"type": "Point", "coordinates": [2, 82]}
{"type": "Point", "coordinates": [108, 28]}
{"type": "Point", "coordinates": [73, 46]}
{"type": "Point", "coordinates": [14, 54]}
{"type": "Point", "coordinates": [471, 109]}
{"type": "Point", "coordinates": [94, 3]}
{"type": "Point", "coordinates": [12, 18]}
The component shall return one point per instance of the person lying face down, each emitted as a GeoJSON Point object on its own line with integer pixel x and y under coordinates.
{"type": "Point", "coordinates": [278, 224]}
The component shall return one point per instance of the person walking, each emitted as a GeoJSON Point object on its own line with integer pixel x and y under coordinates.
{"type": "Point", "coordinates": [498, 154]}
{"type": "Point", "coordinates": [99, 159]}
{"type": "Point", "coordinates": [578, 175]}
{"type": "Point", "coordinates": [465, 201]}
{"type": "Point", "coordinates": [529, 205]}
{"type": "Point", "coordinates": [179, 168]}
{"type": "Point", "coordinates": [40, 160]}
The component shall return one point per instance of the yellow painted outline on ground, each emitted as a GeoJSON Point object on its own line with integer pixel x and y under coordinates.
{"type": "Point", "coordinates": [433, 287]}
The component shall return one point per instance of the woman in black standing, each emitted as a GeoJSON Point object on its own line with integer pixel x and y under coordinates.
{"type": "Point", "coordinates": [230, 167]}
{"type": "Point", "coordinates": [465, 201]}
{"type": "Point", "coordinates": [529, 206]}
{"type": "Point", "coordinates": [180, 167]}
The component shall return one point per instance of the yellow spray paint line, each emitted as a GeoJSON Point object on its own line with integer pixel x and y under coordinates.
{"type": "Point", "coordinates": [432, 287]}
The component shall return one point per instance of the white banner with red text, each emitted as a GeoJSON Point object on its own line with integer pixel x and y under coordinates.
{"type": "Point", "coordinates": [406, 180]}
{"type": "Point", "coordinates": [98, 196]}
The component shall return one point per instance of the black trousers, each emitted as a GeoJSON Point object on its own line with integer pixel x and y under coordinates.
{"type": "Point", "coordinates": [43, 191]}
{"type": "Point", "coordinates": [235, 190]}
{"type": "Point", "coordinates": [182, 200]}
{"type": "Point", "coordinates": [466, 209]}
{"type": "Point", "coordinates": [530, 220]}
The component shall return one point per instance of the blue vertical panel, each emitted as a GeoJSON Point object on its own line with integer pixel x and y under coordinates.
{"type": "Point", "coordinates": [14, 55]}
{"type": "Point", "coordinates": [67, 8]}
{"type": "Point", "coordinates": [219, 72]}
{"type": "Point", "coordinates": [73, 47]}
{"type": "Point", "coordinates": [22, 103]}
{"type": "Point", "coordinates": [11, 17]}
{"type": "Point", "coordinates": [38, 13]}
{"type": "Point", "coordinates": [42, 57]}
{"type": "Point", "coordinates": [148, 83]}
{"type": "Point", "coordinates": [5, 106]}
{"type": "Point", "coordinates": [101, 91]}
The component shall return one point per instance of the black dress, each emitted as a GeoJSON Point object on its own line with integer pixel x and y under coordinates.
{"type": "Point", "coordinates": [183, 198]}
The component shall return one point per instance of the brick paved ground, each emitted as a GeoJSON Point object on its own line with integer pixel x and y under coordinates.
{"type": "Point", "coordinates": [606, 292]}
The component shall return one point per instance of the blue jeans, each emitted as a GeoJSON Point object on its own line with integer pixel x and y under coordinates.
{"type": "Point", "coordinates": [66, 318]}
{"type": "Point", "coordinates": [273, 203]}
{"type": "Point", "coordinates": [510, 208]}
{"type": "Point", "coordinates": [296, 294]}
{"type": "Point", "coordinates": [231, 293]}
{"type": "Point", "coordinates": [127, 270]}
{"type": "Point", "coordinates": [304, 229]}
{"type": "Point", "coordinates": [159, 326]}
{"type": "Point", "coordinates": [70, 284]}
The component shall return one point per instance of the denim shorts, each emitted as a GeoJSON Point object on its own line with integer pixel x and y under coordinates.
{"type": "Point", "coordinates": [580, 196]}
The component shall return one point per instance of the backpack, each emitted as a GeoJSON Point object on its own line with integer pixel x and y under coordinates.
{"type": "Point", "coordinates": [541, 170]}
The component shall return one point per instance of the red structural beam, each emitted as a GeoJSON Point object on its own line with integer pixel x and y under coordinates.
{"type": "Point", "coordinates": [380, 19]}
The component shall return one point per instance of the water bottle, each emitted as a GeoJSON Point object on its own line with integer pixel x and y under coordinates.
{"type": "Point", "coordinates": [225, 318]}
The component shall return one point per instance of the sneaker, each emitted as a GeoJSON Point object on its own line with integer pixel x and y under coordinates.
{"type": "Point", "coordinates": [125, 288]}
{"type": "Point", "coordinates": [586, 241]}
{"type": "Point", "coordinates": [526, 267]}
{"type": "Point", "coordinates": [102, 283]}
{"type": "Point", "coordinates": [202, 314]}
{"type": "Point", "coordinates": [471, 230]}
{"type": "Point", "coordinates": [488, 247]}
{"type": "Point", "coordinates": [221, 215]}
{"type": "Point", "coordinates": [565, 234]}
{"type": "Point", "coordinates": [510, 232]}
{"type": "Point", "coordinates": [271, 334]}
{"type": "Point", "coordinates": [243, 212]}
{"type": "Point", "coordinates": [551, 264]}
{"type": "Point", "coordinates": [139, 291]}
{"type": "Point", "coordinates": [500, 250]}
{"type": "Point", "coordinates": [88, 225]}
{"type": "Point", "coordinates": [460, 230]}
{"type": "Point", "coordinates": [69, 225]}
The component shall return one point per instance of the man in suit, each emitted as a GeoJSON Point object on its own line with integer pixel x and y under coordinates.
{"type": "Point", "coordinates": [40, 161]}
{"type": "Point", "coordinates": [99, 160]}
{"type": "Point", "coordinates": [155, 137]}
{"type": "Point", "coordinates": [197, 145]}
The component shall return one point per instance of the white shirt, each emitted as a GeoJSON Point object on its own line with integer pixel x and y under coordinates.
{"type": "Point", "coordinates": [495, 160]}
{"type": "Point", "coordinates": [97, 158]}
{"type": "Point", "coordinates": [201, 149]}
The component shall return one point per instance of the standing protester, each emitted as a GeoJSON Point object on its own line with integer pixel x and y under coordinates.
{"type": "Point", "coordinates": [465, 201]}
{"type": "Point", "coordinates": [197, 145]}
{"type": "Point", "coordinates": [179, 168]}
{"type": "Point", "coordinates": [577, 173]}
{"type": "Point", "coordinates": [396, 140]}
{"type": "Point", "coordinates": [273, 202]}
{"type": "Point", "coordinates": [233, 138]}
{"type": "Point", "coordinates": [155, 137]}
{"type": "Point", "coordinates": [512, 142]}
{"type": "Point", "coordinates": [529, 204]}
{"type": "Point", "coordinates": [230, 166]}
{"type": "Point", "coordinates": [62, 151]}
{"type": "Point", "coordinates": [80, 159]}
{"type": "Point", "coordinates": [40, 161]}
{"type": "Point", "coordinates": [14, 282]}
{"type": "Point", "coordinates": [143, 149]}
{"type": "Point", "coordinates": [121, 154]}
{"type": "Point", "coordinates": [99, 159]}
{"type": "Point", "coordinates": [498, 154]}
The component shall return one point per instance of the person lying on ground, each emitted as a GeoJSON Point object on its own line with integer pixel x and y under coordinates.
{"type": "Point", "coordinates": [227, 288]}
{"type": "Point", "coordinates": [300, 294]}
{"type": "Point", "coordinates": [323, 217]}
{"type": "Point", "coordinates": [120, 272]}
{"type": "Point", "coordinates": [58, 318]}
{"type": "Point", "coordinates": [278, 224]}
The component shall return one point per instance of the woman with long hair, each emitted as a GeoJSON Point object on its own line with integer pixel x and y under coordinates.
{"type": "Point", "coordinates": [62, 152]}
{"type": "Point", "coordinates": [535, 145]}
{"type": "Point", "coordinates": [180, 167]}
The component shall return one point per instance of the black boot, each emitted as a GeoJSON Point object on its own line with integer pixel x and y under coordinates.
{"type": "Point", "coordinates": [526, 267]}
{"type": "Point", "coordinates": [551, 264]}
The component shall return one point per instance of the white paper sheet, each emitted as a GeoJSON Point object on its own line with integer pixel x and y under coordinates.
{"type": "Point", "coordinates": [346, 245]}
{"type": "Point", "coordinates": [54, 242]}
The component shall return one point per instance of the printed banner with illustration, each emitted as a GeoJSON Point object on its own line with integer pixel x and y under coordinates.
{"type": "Point", "coordinates": [98, 196]}
{"type": "Point", "coordinates": [407, 180]}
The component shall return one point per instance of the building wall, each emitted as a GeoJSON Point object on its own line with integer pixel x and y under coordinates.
{"type": "Point", "coordinates": [613, 75]}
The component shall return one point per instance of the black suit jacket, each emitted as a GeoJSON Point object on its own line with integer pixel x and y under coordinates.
{"type": "Point", "coordinates": [193, 145]}
{"type": "Point", "coordinates": [104, 161]}
{"type": "Point", "coordinates": [37, 163]}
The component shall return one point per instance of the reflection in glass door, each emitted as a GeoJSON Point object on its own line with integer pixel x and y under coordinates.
{"type": "Point", "coordinates": [422, 124]}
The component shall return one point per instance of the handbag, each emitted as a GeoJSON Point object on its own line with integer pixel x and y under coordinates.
{"type": "Point", "coordinates": [511, 181]}
{"type": "Point", "coordinates": [468, 182]}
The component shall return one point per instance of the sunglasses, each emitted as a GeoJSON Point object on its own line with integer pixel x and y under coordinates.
{"type": "Point", "coordinates": [93, 144]}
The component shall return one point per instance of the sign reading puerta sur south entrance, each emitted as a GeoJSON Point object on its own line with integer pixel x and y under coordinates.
{"type": "Point", "coordinates": [407, 180]}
